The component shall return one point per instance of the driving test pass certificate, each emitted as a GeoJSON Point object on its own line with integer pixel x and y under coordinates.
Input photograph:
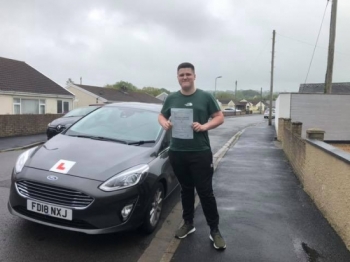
{"type": "Point", "coordinates": [182, 120]}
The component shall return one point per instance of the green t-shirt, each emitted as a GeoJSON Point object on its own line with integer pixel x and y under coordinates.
{"type": "Point", "coordinates": [203, 105]}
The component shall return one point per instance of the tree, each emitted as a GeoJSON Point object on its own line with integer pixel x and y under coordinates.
{"type": "Point", "coordinates": [123, 84]}
{"type": "Point", "coordinates": [153, 91]}
{"type": "Point", "coordinates": [224, 95]}
{"type": "Point", "coordinates": [249, 94]}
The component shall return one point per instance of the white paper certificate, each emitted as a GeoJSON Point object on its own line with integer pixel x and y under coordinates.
{"type": "Point", "coordinates": [182, 120]}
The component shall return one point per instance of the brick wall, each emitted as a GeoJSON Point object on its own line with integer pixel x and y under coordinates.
{"type": "Point", "coordinates": [20, 125]}
{"type": "Point", "coordinates": [323, 170]}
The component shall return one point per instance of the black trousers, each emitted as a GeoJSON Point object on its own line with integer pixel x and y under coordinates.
{"type": "Point", "coordinates": [195, 170]}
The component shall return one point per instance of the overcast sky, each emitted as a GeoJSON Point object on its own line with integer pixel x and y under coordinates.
{"type": "Point", "coordinates": [143, 41]}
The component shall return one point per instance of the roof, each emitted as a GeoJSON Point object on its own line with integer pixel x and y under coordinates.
{"type": "Point", "coordinates": [116, 95]}
{"type": "Point", "coordinates": [241, 103]}
{"type": "Point", "coordinates": [20, 77]}
{"type": "Point", "coordinates": [337, 88]}
{"type": "Point", "coordinates": [162, 96]}
{"type": "Point", "coordinates": [144, 106]}
{"type": "Point", "coordinates": [256, 101]}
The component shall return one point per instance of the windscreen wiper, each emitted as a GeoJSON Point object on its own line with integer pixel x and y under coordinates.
{"type": "Point", "coordinates": [102, 138]}
{"type": "Point", "coordinates": [141, 142]}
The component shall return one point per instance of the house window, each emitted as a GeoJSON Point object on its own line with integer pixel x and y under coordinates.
{"type": "Point", "coordinates": [62, 106]}
{"type": "Point", "coordinates": [28, 106]}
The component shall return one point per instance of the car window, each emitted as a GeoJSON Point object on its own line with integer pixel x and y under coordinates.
{"type": "Point", "coordinates": [121, 123]}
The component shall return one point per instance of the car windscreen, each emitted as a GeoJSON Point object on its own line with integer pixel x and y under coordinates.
{"type": "Point", "coordinates": [80, 111]}
{"type": "Point", "coordinates": [120, 123]}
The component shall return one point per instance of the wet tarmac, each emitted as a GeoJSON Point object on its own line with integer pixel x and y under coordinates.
{"type": "Point", "coordinates": [264, 213]}
{"type": "Point", "coordinates": [17, 142]}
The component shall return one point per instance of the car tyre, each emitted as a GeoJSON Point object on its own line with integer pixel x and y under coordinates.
{"type": "Point", "coordinates": [154, 209]}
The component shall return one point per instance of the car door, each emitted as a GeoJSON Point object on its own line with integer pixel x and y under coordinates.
{"type": "Point", "coordinates": [167, 170]}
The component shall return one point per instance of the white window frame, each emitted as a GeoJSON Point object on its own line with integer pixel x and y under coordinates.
{"type": "Point", "coordinates": [17, 104]}
{"type": "Point", "coordinates": [42, 104]}
{"type": "Point", "coordinates": [20, 104]}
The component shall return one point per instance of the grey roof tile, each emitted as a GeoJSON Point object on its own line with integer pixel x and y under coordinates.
{"type": "Point", "coordinates": [20, 77]}
{"type": "Point", "coordinates": [115, 95]}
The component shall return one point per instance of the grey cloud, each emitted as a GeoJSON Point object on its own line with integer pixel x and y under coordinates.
{"type": "Point", "coordinates": [143, 41]}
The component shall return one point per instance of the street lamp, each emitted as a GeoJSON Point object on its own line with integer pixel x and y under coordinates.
{"type": "Point", "coordinates": [215, 85]}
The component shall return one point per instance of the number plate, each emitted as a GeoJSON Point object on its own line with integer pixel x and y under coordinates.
{"type": "Point", "coordinates": [50, 210]}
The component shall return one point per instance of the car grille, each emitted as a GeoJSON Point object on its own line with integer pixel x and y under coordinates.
{"type": "Point", "coordinates": [53, 194]}
{"type": "Point", "coordinates": [57, 221]}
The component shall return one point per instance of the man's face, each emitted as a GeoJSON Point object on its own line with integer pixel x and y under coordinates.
{"type": "Point", "coordinates": [186, 78]}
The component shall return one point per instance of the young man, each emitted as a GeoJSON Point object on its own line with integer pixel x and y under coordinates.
{"type": "Point", "coordinates": [190, 154]}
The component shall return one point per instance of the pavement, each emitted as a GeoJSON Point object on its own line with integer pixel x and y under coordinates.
{"type": "Point", "coordinates": [264, 213]}
{"type": "Point", "coordinates": [21, 142]}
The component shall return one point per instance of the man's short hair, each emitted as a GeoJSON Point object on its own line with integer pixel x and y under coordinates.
{"type": "Point", "coordinates": [185, 65]}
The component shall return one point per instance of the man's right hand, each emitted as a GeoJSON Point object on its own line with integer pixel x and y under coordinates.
{"type": "Point", "coordinates": [165, 123]}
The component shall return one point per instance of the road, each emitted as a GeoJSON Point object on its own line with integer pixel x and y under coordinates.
{"type": "Point", "coordinates": [22, 240]}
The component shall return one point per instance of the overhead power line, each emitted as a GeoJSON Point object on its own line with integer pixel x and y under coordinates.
{"type": "Point", "coordinates": [319, 32]}
{"type": "Point", "coordinates": [307, 43]}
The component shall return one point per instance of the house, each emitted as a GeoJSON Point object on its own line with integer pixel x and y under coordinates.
{"type": "Point", "coordinates": [87, 95]}
{"type": "Point", "coordinates": [248, 105]}
{"type": "Point", "coordinates": [24, 90]}
{"type": "Point", "coordinates": [258, 106]}
{"type": "Point", "coordinates": [224, 103]}
{"type": "Point", "coordinates": [162, 96]}
{"type": "Point", "coordinates": [241, 106]}
{"type": "Point", "coordinates": [337, 88]}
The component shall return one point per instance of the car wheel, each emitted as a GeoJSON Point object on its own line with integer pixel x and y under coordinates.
{"type": "Point", "coordinates": [154, 209]}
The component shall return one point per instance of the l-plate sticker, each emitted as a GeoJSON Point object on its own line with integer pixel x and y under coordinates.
{"type": "Point", "coordinates": [62, 166]}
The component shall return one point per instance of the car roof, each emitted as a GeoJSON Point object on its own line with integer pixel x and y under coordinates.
{"type": "Point", "coordinates": [137, 105]}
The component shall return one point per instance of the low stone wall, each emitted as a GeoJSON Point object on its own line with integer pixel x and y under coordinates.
{"type": "Point", "coordinates": [228, 113]}
{"type": "Point", "coordinates": [294, 147]}
{"type": "Point", "coordinates": [21, 125]}
{"type": "Point", "coordinates": [323, 170]}
{"type": "Point", "coordinates": [343, 146]}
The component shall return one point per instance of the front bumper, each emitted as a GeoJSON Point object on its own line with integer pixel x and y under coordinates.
{"type": "Point", "coordinates": [103, 215]}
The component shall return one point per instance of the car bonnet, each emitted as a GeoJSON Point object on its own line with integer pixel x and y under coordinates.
{"type": "Point", "coordinates": [88, 158]}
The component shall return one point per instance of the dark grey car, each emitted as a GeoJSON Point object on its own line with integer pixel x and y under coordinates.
{"type": "Point", "coordinates": [106, 173]}
{"type": "Point", "coordinates": [60, 124]}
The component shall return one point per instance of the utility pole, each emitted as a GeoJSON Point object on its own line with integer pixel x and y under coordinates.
{"type": "Point", "coordinates": [236, 92]}
{"type": "Point", "coordinates": [260, 101]}
{"type": "Point", "coordinates": [271, 81]}
{"type": "Point", "coordinates": [329, 74]}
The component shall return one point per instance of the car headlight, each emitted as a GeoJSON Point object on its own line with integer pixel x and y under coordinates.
{"type": "Point", "coordinates": [48, 124]}
{"type": "Point", "coordinates": [125, 179]}
{"type": "Point", "coordinates": [22, 159]}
